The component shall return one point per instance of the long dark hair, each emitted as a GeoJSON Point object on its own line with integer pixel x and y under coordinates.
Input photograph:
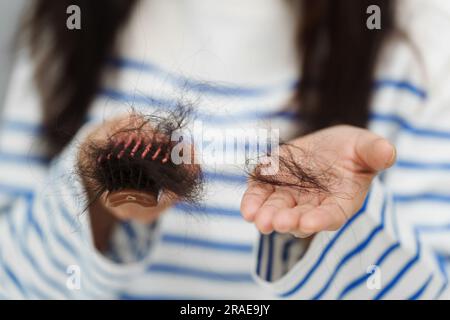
{"type": "Point", "coordinates": [338, 54]}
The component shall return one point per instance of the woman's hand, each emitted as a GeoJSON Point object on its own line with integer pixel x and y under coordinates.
{"type": "Point", "coordinates": [101, 206]}
{"type": "Point", "coordinates": [355, 156]}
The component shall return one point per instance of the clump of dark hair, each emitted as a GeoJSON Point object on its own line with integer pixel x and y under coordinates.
{"type": "Point", "coordinates": [303, 171]}
{"type": "Point", "coordinates": [137, 155]}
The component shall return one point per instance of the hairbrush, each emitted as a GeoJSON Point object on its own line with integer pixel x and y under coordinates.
{"type": "Point", "coordinates": [130, 168]}
{"type": "Point", "coordinates": [133, 164]}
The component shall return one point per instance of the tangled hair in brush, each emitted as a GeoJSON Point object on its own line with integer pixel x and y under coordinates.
{"type": "Point", "coordinates": [137, 155]}
{"type": "Point", "coordinates": [303, 171]}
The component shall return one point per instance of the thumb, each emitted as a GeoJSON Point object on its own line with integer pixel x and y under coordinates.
{"type": "Point", "coordinates": [374, 152]}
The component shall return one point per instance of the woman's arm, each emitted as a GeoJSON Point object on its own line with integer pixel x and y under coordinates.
{"type": "Point", "coordinates": [104, 162]}
{"type": "Point", "coordinates": [394, 240]}
{"type": "Point", "coordinates": [45, 229]}
{"type": "Point", "coordinates": [359, 243]}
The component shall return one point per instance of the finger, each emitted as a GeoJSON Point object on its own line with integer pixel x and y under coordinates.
{"type": "Point", "coordinates": [253, 199]}
{"type": "Point", "coordinates": [288, 220]}
{"type": "Point", "coordinates": [327, 217]}
{"type": "Point", "coordinates": [166, 200]}
{"type": "Point", "coordinates": [276, 202]}
{"type": "Point", "coordinates": [374, 152]}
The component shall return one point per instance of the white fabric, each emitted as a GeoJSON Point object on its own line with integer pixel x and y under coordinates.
{"type": "Point", "coordinates": [236, 61]}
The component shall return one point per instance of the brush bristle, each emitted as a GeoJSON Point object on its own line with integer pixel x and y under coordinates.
{"type": "Point", "coordinates": [123, 164]}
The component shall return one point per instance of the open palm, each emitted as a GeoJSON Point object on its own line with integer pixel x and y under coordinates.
{"type": "Point", "coordinates": [354, 156]}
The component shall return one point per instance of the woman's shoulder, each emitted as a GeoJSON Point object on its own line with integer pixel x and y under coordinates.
{"type": "Point", "coordinates": [419, 51]}
{"type": "Point", "coordinates": [426, 25]}
{"type": "Point", "coordinates": [413, 71]}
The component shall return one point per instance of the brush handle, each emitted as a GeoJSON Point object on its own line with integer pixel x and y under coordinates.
{"type": "Point", "coordinates": [118, 198]}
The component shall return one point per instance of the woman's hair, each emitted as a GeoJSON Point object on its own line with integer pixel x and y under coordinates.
{"type": "Point", "coordinates": [68, 64]}
{"type": "Point", "coordinates": [338, 54]}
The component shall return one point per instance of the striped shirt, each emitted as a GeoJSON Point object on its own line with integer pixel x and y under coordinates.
{"type": "Point", "coordinates": [396, 246]}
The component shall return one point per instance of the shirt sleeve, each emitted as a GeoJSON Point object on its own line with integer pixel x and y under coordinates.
{"type": "Point", "coordinates": [368, 258]}
{"type": "Point", "coordinates": [46, 249]}
{"type": "Point", "coordinates": [397, 246]}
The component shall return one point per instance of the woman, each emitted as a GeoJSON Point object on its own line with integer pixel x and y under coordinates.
{"type": "Point", "coordinates": [373, 236]}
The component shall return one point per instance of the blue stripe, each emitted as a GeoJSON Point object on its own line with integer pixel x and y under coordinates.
{"type": "Point", "coordinates": [390, 118]}
{"type": "Point", "coordinates": [417, 230]}
{"type": "Point", "coordinates": [44, 240]}
{"type": "Point", "coordinates": [327, 249]}
{"type": "Point", "coordinates": [68, 247]}
{"type": "Point", "coordinates": [422, 165]}
{"type": "Point", "coordinates": [27, 256]}
{"type": "Point", "coordinates": [433, 228]}
{"type": "Point", "coordinates": [132, 242]}
{"type": "Point", "coordinates": [225, 177]}
{"type": "Point", "coordinates": [72, 222]}
{"type": "Point", "coordinates": [25, 159]}
{"type": "Point", "coordinates": [286, 249]}
{"type": "Point", "coordinates": [8, 271]}
{"type": "Point", "coordinates": [270, 257]}
{"type": "Point", "coordinates": [32, 221]}
{"type": "Point", "coordinates": [207, 244]}
{"type": "Point", "coordinates": [208, 210]}
{"type": "Point", "coordinates": [61, 239]}
{"type": "Point", "coordinates": [199, 273]}
{"type": "Point", "coordinates": [433, 197]}
{"type": "Point", "coordinates": [15, 280]}
{"type": "Point", "coordinates": [260, 254]}
{"type": "Point", "coordinates": [194, 85]}
{"type": "Point", "coordinates": [126, 225]}
{"type": "Point", "coordinates": [406, 126]}
{"type": "Point", "coordinates": [21, 126]}
{"type": "Point", "coordinates": [378, 117]}
{"type": "Point", "coordinates": [360, 280]}
{"type": "Point", "coordinates": [15, 191]}
{"type": "Point", "coordinates": [400, 85]}
{"type": "Point", "coordinates": [218, 89]}
{"type": "Point", "coordinates": [29, 288]}
{"type": "Point", "coordinates": [354, 252]}
{"type": "Point", "coordinates": [398, 276]}
{"type": "Point", "coordinates": [441, 259]}
{"type": "Point", "coordinates": [207, 117]}
{"type": "Point", "coordinates": [138, 98]}
{"type": "Point", "coordinates": [418, 293]}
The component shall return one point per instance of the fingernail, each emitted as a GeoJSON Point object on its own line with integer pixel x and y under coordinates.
{"type": "Point", "coordinates": [118, 198]}
{"type": "Point", "coordinates": [394, 155]}
{"type": "Point", "coordinates": [301, 235]}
